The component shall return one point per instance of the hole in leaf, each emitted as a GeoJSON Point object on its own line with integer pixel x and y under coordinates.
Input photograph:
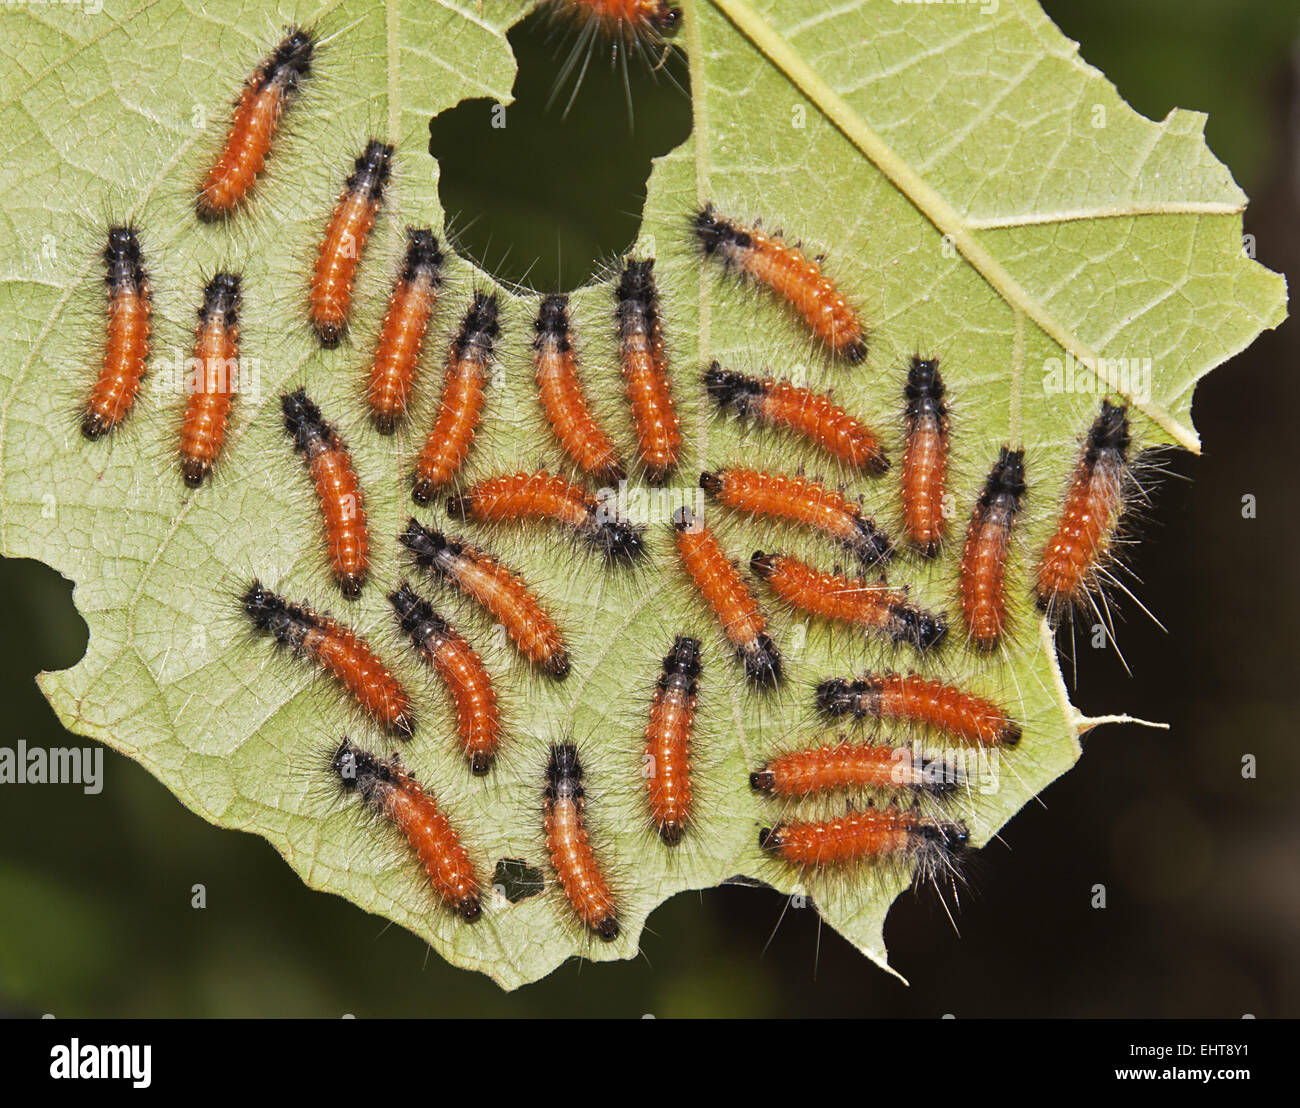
{"type": "Point", "coordinates": [46, 630]}
{"type": "Point", "coordinates": [540, 198]}
{"type": "Point", "coordinates": [517, 880]}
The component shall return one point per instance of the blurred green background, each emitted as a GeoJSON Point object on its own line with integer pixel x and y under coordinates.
{"type": "Point", "coordinates": [1200, 865]}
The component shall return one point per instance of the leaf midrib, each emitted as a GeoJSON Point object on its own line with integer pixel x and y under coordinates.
{"type": "Point", "coordinates": [931, 204]}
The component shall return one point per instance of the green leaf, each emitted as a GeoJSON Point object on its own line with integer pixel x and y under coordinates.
{"type": "Point", "coordinates": [979, 190]}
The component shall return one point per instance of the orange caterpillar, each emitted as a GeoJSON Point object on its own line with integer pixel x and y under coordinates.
{"type": "Point", "coordinates": [810, 414]}
{"type": "Point", "coordinates": [641, 348]}
{"type": "Point", "coordinates": [1092, 509]}
{"type": "Point", "coordinates": [449, 442]}
{"type": "Point", "coordinates": [126, 346]}
{"type": "Point", "coordinates": [574, 861]}
{"type": "Point", "coordinates": [330, 299]}
{"type": "Point", "coordinates": [213, 381]}
{"type": "Point", "coordinates": [482, 578]}
{"type": "Point", "coordinates": [914, 699]}
{"type": "Point", "coordinates": [849, 600]}
{"type": "Point", "coordinates": [795, 278]}
{"type": "Point", "coordinates": [331, 469]}
{"type": "Point", "coordinates": [988, 541]}
{"type": "Point", "coordinates": [872, 834]}
{"type": "Point", "coordinates": [730, 600]}
{"type": "Point", "coordinates": [847, 765]}
{"type": "Point", "coordinates": [478, 718]}
{"type": "Point", "coordinates": [542, 495]}
{"type": "Point", "coordinates": [401, 339]}
{"type": "Point", "coordinates": [562, 397]}
{"type": "Point", "coordinates": [337, 650]}
{"type": "Point", "coordinates": [387, 788]}
{"type": "Point", "coordinates": [252, 128]}
{"type": "Point", "coordinates": [623, 20]}
{"type": "Point", "coordinates": [925, 457]}
{"type": "Point", "coordinates": [780, 496]}
{"type": "Point", "coordinates": [668, 739]}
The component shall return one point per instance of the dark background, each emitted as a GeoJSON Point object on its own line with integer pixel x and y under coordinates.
{"type": "Point", "coordinates": [1200, 865]}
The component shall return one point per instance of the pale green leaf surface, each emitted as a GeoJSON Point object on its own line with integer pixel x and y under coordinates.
{"type": "Point", "coordinates": [880, 128]}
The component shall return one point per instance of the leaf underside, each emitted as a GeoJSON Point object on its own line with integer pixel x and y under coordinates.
{"type": "Point", "coordinates": [981, 192]}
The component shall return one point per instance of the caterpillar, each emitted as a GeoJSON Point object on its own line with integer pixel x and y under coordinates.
{"type": "Point", "coordinates": [562, 397]}
{"type": "Point", "coordinates": [809, 414]}
{"type": "Point", "coordinates": [387, 787]}
{"type": "Point", "coordinates": [401, 338]}
{"type": "Point", "coordinates": [452, 435]}
{"type": "Point", "coordinates": [668, 739]}
{"type": "Point", "coordinates": [870, 834]}
{"type": "Point", "coordinates": [729, 598]}
{"type": "Point", "coordinates": [988, 541]}
{"type": "Point", "coordinates": [925, 456]}
{"type": "Point", "coordinates": [848, 765]}
{"type": "Point", "coordinates": [330, 466]}
{"type": "Point", "coordinates": [338, 650]}
{"type": "Point", "coordinates": [267, 92]}
{"type": "Point", "coordinates": [792, 276]}
{"type": "Point", "coordinates": [914, 699]}
{"type": "Point", "coordinates": [850, 600]}
{"type": "Point", "coordinates": [503, 593]}
{"type": "Point", "coordinates": [1084, 533]}
{"type": "Point", "coordinates": [543, 495]}
{"type": "Point", "coordinates": [126, 345]}
{"type": "Point", "coordinates": [330, 299]}
{"type": "Point", "coordinates": [800, 500]}
{"type": "Point", "coordinates": [569, 846]}
{"type": "Point", "coordinates": [214, 381]}
{"type": "Point", "coordinates": [468, 683]}
{"type": "Point", "coordinates": [641, 350]}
